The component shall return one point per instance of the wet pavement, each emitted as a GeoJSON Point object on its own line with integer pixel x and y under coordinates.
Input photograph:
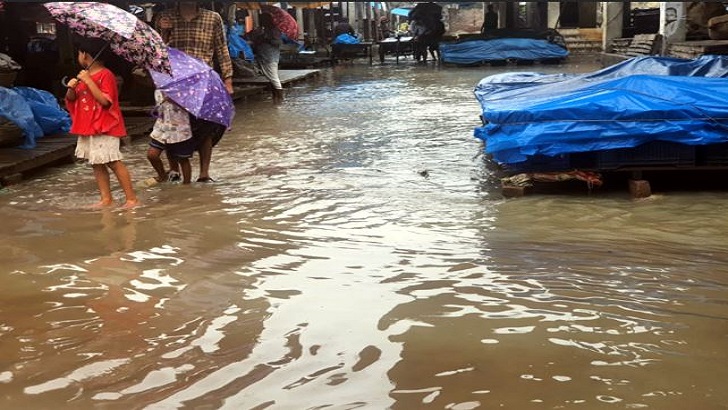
{"type": "Point", "coordinates": [355, 252]}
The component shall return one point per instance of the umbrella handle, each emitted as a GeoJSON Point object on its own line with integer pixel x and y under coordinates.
{"type": "Point", "coordinates": [97, 55]}
{"type": "Point", "coordinates": [64, 80]}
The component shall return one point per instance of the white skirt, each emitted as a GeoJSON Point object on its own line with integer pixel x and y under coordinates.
{"type": "Point", "coordinates": [99, 149]}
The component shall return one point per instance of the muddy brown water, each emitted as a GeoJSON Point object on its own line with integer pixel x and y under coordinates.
{"type": "Point", "coordinates": [355, 253]}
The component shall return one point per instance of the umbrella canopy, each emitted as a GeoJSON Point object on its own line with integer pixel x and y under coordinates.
{"type": "Point", "coordinates": [284, 21]}
{"type": "Point", "coordinates": [128, 37]}
{"type": "Point", "coordinates": [196, 87]}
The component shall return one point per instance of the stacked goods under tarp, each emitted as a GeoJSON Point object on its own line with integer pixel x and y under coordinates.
{"type": "Point", "coordinates": [648, 105]}
{"type": "Point", "coordinates": [35, 112]}
{"type": "Point", "coordinates": [502, 45]}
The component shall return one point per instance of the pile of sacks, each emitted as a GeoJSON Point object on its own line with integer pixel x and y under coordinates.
{"type": "Point", "coordinates": [8, 64]}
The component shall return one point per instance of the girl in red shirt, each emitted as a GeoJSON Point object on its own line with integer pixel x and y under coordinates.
{"type": "Point", "coordinates": [93, 102]}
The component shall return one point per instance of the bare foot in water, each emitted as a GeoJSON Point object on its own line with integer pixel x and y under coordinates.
{"type": "Point", "coordinates": [133, 203]}
{"type": "Point", "coordinates": [101, 204]}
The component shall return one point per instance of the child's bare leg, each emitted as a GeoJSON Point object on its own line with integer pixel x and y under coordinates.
{"type": "Point", "coordinates": [173, 164]}
{"type": "Point", "coordinates": [122, 174]}
{"type": "Point", "coordinates": [205, 150]}
{"type": "Point", "coordinates": [102, 180]}
{"type": "Point", "coordinates": [154, 157]}
{"type": "Point", "coordinates": [186, 167]}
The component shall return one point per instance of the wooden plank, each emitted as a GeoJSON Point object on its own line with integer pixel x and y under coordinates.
{"type": "Point", "coordinates": [52, 148]}
{"type": "Point", "coordinates": [286, 76]}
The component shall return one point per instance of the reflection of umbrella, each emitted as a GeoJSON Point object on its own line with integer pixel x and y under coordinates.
{"type": "Point", "coordinates": [284, 21]}
{"type": "Point", "coordinates": [128, 37]}
{"type": "Point", "coordinates": [196, 87]}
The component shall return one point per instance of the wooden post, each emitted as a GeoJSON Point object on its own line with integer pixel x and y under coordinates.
{"type": "Point", "coordinates": [554, 12]}
{"type": "Point", "coordinates": [612, 22]}
{"type": "Point", "coordinates": [299, 22]}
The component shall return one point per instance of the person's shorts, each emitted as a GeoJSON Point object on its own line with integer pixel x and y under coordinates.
{"type": "Point", "coordinates": [181, 150]}
{"type": "Point", "coordinates": [203, 128]}
{"type": "Point", "coordinates": [99, 149]}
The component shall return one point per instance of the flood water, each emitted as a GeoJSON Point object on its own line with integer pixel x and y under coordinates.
{"type": "Point", "coordinates": [355, 252]}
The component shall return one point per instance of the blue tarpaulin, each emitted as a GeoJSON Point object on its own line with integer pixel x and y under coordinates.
{"type": "Point", "coordinates": [401, 12]}
{"type": "Point", "coordinates": [238, 47]}
{"type": "Point", "coordinates": [36, 112]}
{"type": "Point", "coordinates": [346, 38]}
{"type": "Point", "coordinates": [641, 100]}
{"type": "Point", "coordinates": [49, 115]}
{"type": "Point", "coordinates": [473, 52]}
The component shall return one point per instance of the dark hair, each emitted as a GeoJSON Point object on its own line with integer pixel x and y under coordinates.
{"type": "Point", "coordinates": [93, 46]}
{"type": "Point", "coordinates": [266, 20]}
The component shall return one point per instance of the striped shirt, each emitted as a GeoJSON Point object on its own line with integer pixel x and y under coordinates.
{"type": "Point", "coordinates": [203, 37]}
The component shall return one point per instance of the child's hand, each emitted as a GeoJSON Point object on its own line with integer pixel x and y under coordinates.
{"type": "Point", "coordinates": [84, 76]}
{"type": "Point", "coordinates": [72, 83]}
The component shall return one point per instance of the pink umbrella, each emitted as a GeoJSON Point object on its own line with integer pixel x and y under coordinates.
{"type": "Point", "coordinates": [284, 21]}
{"type": "Point", "coordinates": [128, 37]}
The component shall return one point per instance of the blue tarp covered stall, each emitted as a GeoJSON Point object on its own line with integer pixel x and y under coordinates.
{"type": "Point", "coordinates": [645, 99]}
{"type": "Point", "coordinates": [473, 52]}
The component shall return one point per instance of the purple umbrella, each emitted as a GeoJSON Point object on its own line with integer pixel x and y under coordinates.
{"type": "Point", "coordinates": [196, 87]}
{"type": "Point", "coordinates": [128, 37]}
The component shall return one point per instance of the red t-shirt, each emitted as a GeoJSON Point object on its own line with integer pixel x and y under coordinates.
{"type": "Point", "coordinates": [88, 116]}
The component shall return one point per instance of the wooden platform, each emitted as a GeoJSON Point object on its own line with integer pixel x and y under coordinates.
{"type": "Point", "coordinates": [287, 77]}
{"type": "Point", "coordinates": [54, 149]}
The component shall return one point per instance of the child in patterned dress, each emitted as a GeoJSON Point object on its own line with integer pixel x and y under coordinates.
{"type": "Point", "coordinates": [171, 133]}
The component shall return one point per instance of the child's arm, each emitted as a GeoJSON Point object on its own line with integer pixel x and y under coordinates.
{"type": "Point", "coordinates": [94, 89]}
{"type": "Point", "coordinates": [71, 90]}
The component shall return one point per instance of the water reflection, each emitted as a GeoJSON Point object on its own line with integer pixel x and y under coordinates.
{"type": "Point", "coordinates": [355, 254]}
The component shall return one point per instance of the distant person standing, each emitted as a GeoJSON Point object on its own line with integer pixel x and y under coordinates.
{"type": "Point", "coordinates": [267, 42]}
{"type": "Point", "coordinates": [199, 33]}
{"type": "Point", "coordinates": [491, 20]}
{"type": "Point", "coordinates": [419, 40]}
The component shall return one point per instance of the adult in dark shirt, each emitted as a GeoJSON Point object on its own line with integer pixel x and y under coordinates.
{"type": "Point", "coordinates": [199, 33]}
{"type": "Point", "coordinates": [491, 20]}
